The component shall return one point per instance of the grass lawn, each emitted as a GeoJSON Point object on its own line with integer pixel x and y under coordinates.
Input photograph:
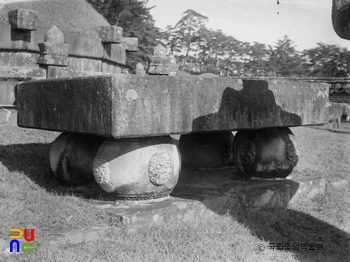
{"type": "Point", "coordinates": [29, 199]}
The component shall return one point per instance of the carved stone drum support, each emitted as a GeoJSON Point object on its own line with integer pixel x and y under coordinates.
{"type": "Point", "coordinates": [72, 156]}
{"type": "Point", "coordinates": [265, 153]}
{"type": "Point", "coordinates": [206, 150]}
{"type": "Point", "coordinates": [140, 168]}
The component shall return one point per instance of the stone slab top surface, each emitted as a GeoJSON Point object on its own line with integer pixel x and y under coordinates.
{"type": "Point", "coordinates": [122, 106]}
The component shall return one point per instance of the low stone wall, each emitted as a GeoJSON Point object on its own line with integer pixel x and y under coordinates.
{"type": "Point", "coordinates": [340, 92]}
{"type": "Point", "coordinates": [26, 44]}
{"type": "Point", "coordinates": [340, 98]}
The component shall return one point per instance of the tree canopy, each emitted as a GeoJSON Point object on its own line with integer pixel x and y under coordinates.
{"type": "Point", "coordinates": [135, 19]}
{"type": "Point", "coordinates": [199, 49]}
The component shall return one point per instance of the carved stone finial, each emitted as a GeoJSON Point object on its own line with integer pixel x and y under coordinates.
{"type": "Point", "coordinates": [160, 63]}
{"type": "Point", "coordinates": [174, 67]}
{"type": "Point", "coordinates": [140, 69]}
{"type": "Point", "coordinates": [140, 66]}
{"type": "Point", "coordinates": [53, 51]}
{"type": "Point", "coordinates": [159, 50]}
{"type": "Point", "coordinates": [54, 35]}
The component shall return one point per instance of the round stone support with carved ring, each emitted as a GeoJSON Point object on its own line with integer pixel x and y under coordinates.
{"type": "Point", "coordinates": [72, 156]}
{"type": "Point", "coordinates": [140, 168]}
{"type": "Point", "coordinates": [265, 153]}
{"type": "Point", "coordinates": [206, 150]}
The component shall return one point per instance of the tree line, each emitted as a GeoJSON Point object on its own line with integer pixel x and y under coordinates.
{"type": "Point", "coordinates": [202, 50]}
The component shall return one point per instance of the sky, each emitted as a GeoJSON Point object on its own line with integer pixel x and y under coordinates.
{"type": "Point", "coordinates": [304, 21]}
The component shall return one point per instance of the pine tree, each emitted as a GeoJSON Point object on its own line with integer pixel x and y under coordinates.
{"type": "Point", "coordinates": [184, 38]}
{"type": "Point", "coordinates": [328, 60]}
{"type": "Point", "coordinates": [284, 58]}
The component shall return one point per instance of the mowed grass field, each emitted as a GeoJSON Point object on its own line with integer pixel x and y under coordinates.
{"type": "Point", "coordinates": [29, 198]}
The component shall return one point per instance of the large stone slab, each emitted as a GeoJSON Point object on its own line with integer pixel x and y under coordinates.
{"type": "Point", "coordinates": [122, 105]}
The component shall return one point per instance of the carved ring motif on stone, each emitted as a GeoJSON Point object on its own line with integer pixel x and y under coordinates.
{"type": "Point", "coordinates": [101, 173]}
{"type": "Point", "coordinates": [160, 168]}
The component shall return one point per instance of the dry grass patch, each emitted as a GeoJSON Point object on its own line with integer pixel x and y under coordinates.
{"type": "Point", "coordinates": [323, 153]}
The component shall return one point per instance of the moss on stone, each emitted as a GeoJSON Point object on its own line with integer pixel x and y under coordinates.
{"type": "Point", "coordinates": [73, 16]}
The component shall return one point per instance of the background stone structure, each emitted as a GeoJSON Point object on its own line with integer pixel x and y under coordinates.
{"type": "Point", "coordinates": [339, 91]}
{"type": "Point", "coordinates": [56, 39]}
{"type": "Point", "coordinates": [340, 94]}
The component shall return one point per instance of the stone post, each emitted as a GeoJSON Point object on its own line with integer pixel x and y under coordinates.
{"type": "Point", "coordinates": [174, 67]}
{"type": "Point", "coordinates": [110, 34]}
{"type": "Point", "coordinates": [161, 64]}
{"type": "Point", "coordinates": [23, 19]}
{"type": "Point", "coordinates": [112, 41]}
{"type": "Point", "coordinates": [140, 69]}
{"type": "Point", "coordinates": [54, 53]}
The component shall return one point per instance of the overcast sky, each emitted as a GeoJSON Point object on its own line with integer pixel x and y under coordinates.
{"type": "Point", "coordinates": [304, 21]}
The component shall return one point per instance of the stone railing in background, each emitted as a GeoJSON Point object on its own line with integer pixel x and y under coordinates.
{"type": "Point", "coordinates": [27, 53]}
{"type": "Point", "coordinates": [339, 90]}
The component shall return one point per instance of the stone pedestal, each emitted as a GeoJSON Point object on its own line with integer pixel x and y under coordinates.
{"type": "Point", "coordinates": [265, 153]}
{"type": "Point", "coordinates": [208, 150]}
{"type": "Point", "coordinates": [141, 168]}
{"type": "Point", "coordinates": [53, 52]}
{"type": "Point", "coordinates": [161, 64]}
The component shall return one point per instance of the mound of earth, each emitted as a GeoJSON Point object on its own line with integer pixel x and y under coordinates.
{"type": "Point", "coordinates": [208, 75]}
{"type": "Point", "coordinates": [182, 73]}
{"type": "Point", "coordinates": [74, 16]}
